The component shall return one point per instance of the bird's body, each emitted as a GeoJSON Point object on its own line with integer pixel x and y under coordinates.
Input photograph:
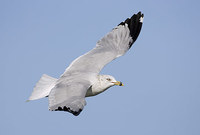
{"type": "Point", "coordinates": [81, 79]}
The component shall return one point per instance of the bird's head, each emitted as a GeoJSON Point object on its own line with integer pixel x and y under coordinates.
{"type": "Point", "coordinates": [108, 81]}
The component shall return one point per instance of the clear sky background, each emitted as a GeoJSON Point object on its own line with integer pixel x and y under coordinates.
{"type": "Point", "coordinates": [161, 72]}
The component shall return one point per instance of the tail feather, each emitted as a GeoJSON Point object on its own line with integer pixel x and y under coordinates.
{"type": "Point", "coordinates": [43, 87]}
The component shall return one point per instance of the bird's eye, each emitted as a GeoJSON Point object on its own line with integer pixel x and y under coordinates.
{"type": "Point", "coordinates": [108, 79]}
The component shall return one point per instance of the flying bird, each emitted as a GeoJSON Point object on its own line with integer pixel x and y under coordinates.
{"type": "Point", "coordinates": [82, 79]}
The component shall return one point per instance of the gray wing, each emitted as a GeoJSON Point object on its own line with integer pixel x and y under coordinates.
{"type": "Point", "coordinates": [69, 93]}
{"type": "Point", "coordinates": [116, 43]}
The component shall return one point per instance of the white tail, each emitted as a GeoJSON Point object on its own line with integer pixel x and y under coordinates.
{"type": "Point", "coordinates": [43, 87]}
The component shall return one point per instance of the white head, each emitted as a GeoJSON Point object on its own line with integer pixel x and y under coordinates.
{"type": "Point", "coordinates": [104, 82]}
{"type": "Point", "coordinates": [107, 81]}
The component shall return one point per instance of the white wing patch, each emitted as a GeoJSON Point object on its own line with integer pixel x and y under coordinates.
{"type": "Point", "coordinates": [141, 19]}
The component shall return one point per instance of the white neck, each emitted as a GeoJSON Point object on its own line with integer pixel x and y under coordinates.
{"type": "Point", "coordinates": [100, 86]}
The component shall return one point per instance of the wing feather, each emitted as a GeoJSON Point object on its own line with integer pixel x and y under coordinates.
{"type": "Point", "coordinates": [116, 43]}
{"type": "Point", "coordinates": [69, 95]}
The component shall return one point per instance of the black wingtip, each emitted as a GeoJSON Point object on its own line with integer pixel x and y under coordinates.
{"type": "Point", "coordinates": [134, 25]}
{"type": "Point", "coordinates": [67, 109]}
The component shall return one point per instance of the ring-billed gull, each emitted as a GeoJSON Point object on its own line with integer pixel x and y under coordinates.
{"type": "Point", "coordinates": [81, 79]}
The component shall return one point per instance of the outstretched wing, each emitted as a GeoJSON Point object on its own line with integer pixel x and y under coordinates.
{"type": "Point", "coordinates": [69, 92]}
{"type": "Point", "coordinates": [116, 43]}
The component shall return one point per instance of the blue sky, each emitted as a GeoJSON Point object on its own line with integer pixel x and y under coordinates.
{"type": "Point", "coordinates": [161, 72]}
